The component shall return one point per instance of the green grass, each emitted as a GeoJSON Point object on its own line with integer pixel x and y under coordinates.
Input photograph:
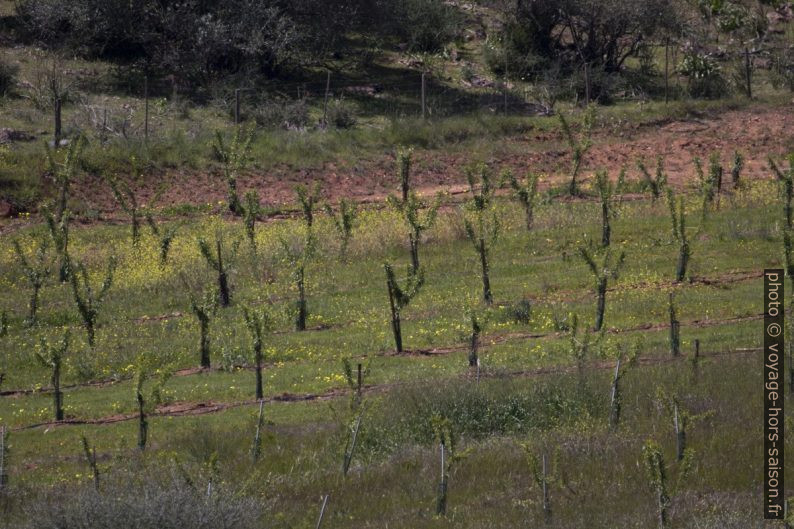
{"type": "Point", "coordinates": [147, 311]}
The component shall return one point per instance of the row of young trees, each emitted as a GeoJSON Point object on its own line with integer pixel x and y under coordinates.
{"type": "Point", "coordinates": [482, 228]}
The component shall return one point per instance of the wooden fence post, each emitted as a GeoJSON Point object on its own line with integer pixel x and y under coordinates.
{"type": "Point", "coordinates": [57, 135]}
{"type": "Point", "coordinates": [424, 100]}
{"type": "Point", "coordinates": [325, 102]}
{"type": "Point", "coordinates": [146, 108]}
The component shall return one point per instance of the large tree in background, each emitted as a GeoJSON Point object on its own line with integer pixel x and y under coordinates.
{"type": "Point", "coordinates": [601, 33]}
{"type": "Point", "coordinates": [199, 41]}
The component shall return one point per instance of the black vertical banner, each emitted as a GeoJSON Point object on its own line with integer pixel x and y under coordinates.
{"type": "Point", "coordinates": [774, 492]}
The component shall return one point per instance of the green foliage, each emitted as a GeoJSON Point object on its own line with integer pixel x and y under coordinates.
{"type": "Point", "coordinates": [579, 145]}
{"type": "Point", "coordinates": [234, 157]}
{"type": "Point", "coordinates": [344, 223]}
{"type": "Point", "coordinates": [88, 303]}
{"type": "Point", "coordinates": [656, 183]}
{"type": "Point", "coordinates": [36, 272]}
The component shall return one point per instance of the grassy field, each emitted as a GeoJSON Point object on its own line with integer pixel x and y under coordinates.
{"type": "Point", "coordinates": [528, 390]}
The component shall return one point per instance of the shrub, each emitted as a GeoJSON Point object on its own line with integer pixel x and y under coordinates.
{"type": "Point", "coordinates": [8, 82]}
{"type": "Point", "coordinates": [426, 25]}
{"type": "Point", "coordinates": [502, 407]}
{"type": "Point", "coordinates": [705, 78]}
{"type": "Point", "coordinates": [341, 114]}
{"type": "Point", "coordinates": [286, 114]}
{"type": "Point", "coordinates": [172, 504]}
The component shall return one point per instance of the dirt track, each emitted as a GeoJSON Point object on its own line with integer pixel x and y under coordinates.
{"type": "Point", "coordinates": [757, 132]}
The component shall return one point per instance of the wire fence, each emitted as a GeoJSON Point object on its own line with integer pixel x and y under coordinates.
{"type": "Point", "coordinates": [310, 104]}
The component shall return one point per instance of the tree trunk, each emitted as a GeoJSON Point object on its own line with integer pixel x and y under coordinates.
{"type": "Point", "coordinates": [395, 321]}
{"type": "Point", "coordinates": [601, 307]}
{"type": "Point", "coordinates": [223, 287]}
{"type": "Point", "coordinates": [414, 240]}
{"type": "Point", "coordinates": [486, 282]}
{"type": "Point", "coordinates": [614, 412]}
{"type": "Point", "coordinates": [606, 229]}
{"type": "Point", "coordinates": [143, 426]}
{"type": "Point", "coordinates": [34, 305]}
{"type": "Point", "coordinates": [683, 261]}
{"type": "Point", "coordinates": [205, 343]}
{"type": "Point", "coordinates": [300, 321]}
{"type": "Point", "coordinates": [530, 215]}
{"type": "Point", "coordinates": [475, 342]}
{"type": "Point", "coordinates": [259, 392]}
{"type": "Point", "coordinates": [56, 391]}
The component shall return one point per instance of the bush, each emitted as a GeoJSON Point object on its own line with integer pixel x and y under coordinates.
{"type": "Point", "coordinates": [521, 312]}
{"type": "Point", "coordinates": [286, 114]}
{"type": "Point", "coordinates": [341, 114]}
{"type": "Point", "coordinates": [704, 75]}
{"type": "Point", "coordinates": [606, 33]}
{"type": "Point", "coordinates": [478, 410]}
{"type": "Point", "coordinates": [173, 505]}
{"type": "Point", "coordinates": [425, 24]}
{"type": "Point", "coordinates": [8, 73]}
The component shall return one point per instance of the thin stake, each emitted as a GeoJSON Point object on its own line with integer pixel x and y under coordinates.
{"type": "Point", "coordinates": [359, 380]}
{"type": "Point", "coordinates": [667, 70]}
{"type": "Point", "coordinates": [104, 125]}
{"type": "Point", "coordinates": [57, 138]}
{"type": "Point", "coordinates": [3, 477]}
{"type": "Point", "coordinates": [325, 103]}
{"type": "Point", "coordinates": [587, 82]}
{"type": "Point", "coordinates": [546, 501]}
{"type": "Point", "coordinates": [424, 101]}
{"type": "Point", "coordinates": [680, 434]}
{"type": "Point", "coordinates": [322, 512]}
{"type": "Point", "coordinates": [256, 448]}
{"type": "Point", "coordinates": [237, 106]}
{"type": "Point", "coordinates": [146, 108]}
{"type": "Point", "coordinates": [749, 73]}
